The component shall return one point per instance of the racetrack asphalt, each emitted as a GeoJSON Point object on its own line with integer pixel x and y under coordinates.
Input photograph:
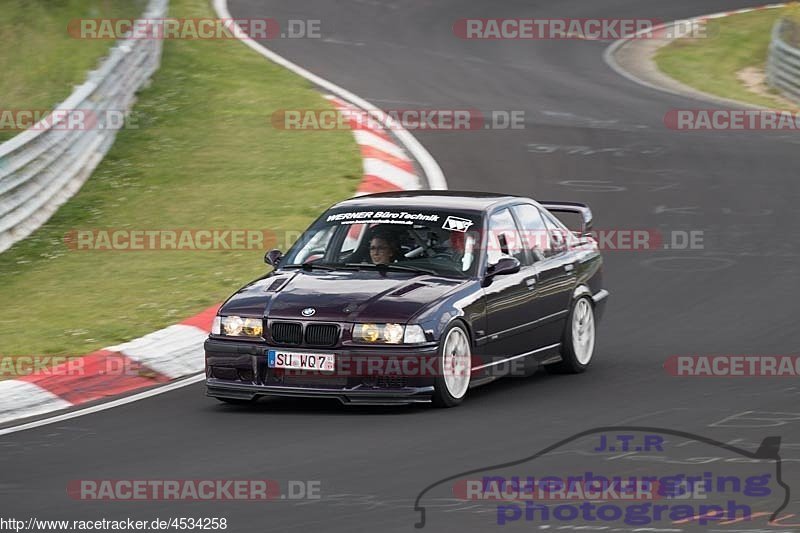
{"type": "Point", "coordinates": [590, 135]}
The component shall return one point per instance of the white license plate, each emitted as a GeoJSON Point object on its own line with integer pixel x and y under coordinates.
{"type": "Point", "coordinates": [301, 361]}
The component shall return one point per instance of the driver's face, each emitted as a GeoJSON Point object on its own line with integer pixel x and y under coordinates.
{"type": "Point", "coordinates": [379, 251]}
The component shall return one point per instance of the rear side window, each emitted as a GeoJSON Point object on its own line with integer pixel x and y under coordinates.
{"type": "Point", "coordinates": [535, 236]}
{"type": "Point", "coordinates": [561, 237]}
{"type": "Point", "coordinates": [504, 238]}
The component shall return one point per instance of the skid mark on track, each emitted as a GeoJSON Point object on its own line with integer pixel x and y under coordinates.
{"type": "Point", "coordinates": [587, 151]}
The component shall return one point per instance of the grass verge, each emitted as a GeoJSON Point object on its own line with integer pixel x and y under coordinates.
{"type": "Point", "coordinates": [712, 64]}
{"type": "Point", "coordinates": [204, 156]}
{"type": "Point", "coordinates": [40, 62]}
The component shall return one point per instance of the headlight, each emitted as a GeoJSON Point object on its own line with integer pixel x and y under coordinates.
{"type": "Point", "coordinates": [235, 326]}
{"type": "Point", "coordinates": [388, 334]}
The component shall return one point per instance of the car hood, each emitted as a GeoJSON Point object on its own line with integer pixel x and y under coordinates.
{"type": "Point", "coordinates": [340, 296]}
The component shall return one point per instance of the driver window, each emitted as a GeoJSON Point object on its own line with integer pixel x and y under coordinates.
{"type": "Point", "coordinates": [504, 238]}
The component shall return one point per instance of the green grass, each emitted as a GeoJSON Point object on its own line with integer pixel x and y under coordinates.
{"type": "Point", "coordinates": [792, 14]}
{"type": "Point", "coordinates": [40, 62]}
{"type": "Point", "coordinates": [204, 156]}
{"type": "Point", "coordinates": [711, 64]}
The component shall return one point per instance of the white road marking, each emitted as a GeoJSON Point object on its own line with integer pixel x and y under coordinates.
{"type": "Point", "coordinates": [105, 406]}
{"type": "Point", "coordinates": [338, 41]}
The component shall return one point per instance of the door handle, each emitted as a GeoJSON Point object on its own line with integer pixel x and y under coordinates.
{"type": "Point", "coordinates": [531, 283]}
{"type": "Point", "coordinates": [569, 268]}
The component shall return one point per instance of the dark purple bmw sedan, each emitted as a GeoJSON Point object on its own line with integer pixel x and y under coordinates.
{"type": "Point", "coordinates": [413, 297]}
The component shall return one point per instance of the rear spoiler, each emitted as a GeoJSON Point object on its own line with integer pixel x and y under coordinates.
{"type": "Point", "coordinates": [573, 207]}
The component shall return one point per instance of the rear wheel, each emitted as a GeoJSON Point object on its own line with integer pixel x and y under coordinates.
{"type": "Point", "coordinates": [577, 344]}
{"type": "Point", "coordinates": [455, 365]}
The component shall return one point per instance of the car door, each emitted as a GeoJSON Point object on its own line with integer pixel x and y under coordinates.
{"type": "Point", "coordinates": [508, 296]}
{"type": "Point", "coordinates": [557, 275]}
{"type": "Point", "coordinates": [539, 246]}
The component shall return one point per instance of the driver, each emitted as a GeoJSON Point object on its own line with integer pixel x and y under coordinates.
{"type": "Point", "coordinates": [384, 248]}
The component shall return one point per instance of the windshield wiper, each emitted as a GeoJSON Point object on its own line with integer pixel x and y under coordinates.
{"type": "Point", "coordinates": [392, 266]}
{"type": "Point", "coordinates": [310, 266]}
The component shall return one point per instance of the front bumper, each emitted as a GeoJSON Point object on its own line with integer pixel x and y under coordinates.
{"type": "Point", "coordinates": [219, 389]}
{"type": "Point", "coordinates": [239, 370]}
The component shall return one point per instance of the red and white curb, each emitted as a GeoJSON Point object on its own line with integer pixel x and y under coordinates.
{"type": "Point", "coordinates": [387, 167]}
{"type": "Point", "coordinates": [609, 56]}
{"type": "Point", "coordinates": [159, 357]}
{"type": "Point", "coordinates": [177, 351]}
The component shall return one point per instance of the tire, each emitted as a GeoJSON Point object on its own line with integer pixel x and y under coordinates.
{"type": "Point", "coordinates": [578, 341]}
{"type": "Point", "coordinates": [455, 366]}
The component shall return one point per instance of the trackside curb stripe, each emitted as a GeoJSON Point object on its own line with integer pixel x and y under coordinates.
{"type": "Point", "coordinates": [367, 138]}
{"type": "Point", "coordinates": [394, 175]}
{"type": "Point", "coordinates": [19, 399]}
{"type": "Point", "coordinates": [175, 351]}
{"type": "Point", "coordinates": [94, 376]}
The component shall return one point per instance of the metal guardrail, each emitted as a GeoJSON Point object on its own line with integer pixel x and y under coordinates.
{"type": "Point", "coordinates": [44, 166]}
{"type": "Point", "coordinates": [783, 65]}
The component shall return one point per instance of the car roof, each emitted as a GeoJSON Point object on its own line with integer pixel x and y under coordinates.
{"type": "Point", "coordinates": [463, 200]}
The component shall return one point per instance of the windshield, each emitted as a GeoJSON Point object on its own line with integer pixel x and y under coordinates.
{"type": "Point", "coordinates": [439, 242]}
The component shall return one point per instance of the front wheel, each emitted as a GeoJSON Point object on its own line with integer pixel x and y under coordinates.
{"type": "Point", "coordinates": [455, 367]}
{"type": "Point", "coordinates": [577, 344]}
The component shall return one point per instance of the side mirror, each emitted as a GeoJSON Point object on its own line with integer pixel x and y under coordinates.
{"type": "Point", "coordinates": [273, 257]}
{"type": "Point", "coordinates": [506, 265]}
